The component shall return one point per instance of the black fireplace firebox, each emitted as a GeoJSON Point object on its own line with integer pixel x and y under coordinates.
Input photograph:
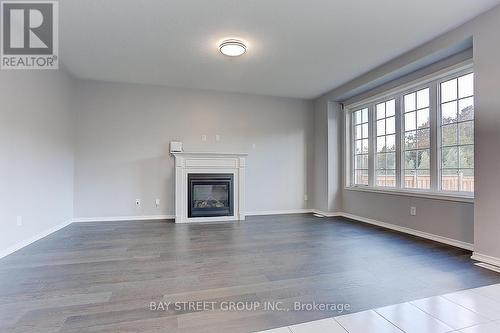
{"type": "Point", "coordinates": [210, 195]}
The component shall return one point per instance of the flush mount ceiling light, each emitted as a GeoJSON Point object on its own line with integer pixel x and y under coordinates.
{"type": "Point", "coordinates": [232, 48]}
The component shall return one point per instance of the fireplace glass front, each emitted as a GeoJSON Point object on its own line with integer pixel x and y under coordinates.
{"type": "Point", "coordinates": [210, 195]}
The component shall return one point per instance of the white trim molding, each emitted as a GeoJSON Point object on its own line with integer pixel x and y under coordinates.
{"type": "Point", "coordinates": [441, 239]}
{"type": "Point", "coordinates": [279, 212]}
{"type": "Point", "coordinates": [326, 214]}
{"type": "Point", "coordinates": [172, 216]}
{"type": "Point", "coordinates": [486, 259]}
{"type": "Point", "coordinates": [122, 218]}
{"type": "Point", "coordinates": [416, 194]}
{"type": "Point", "coordinates": [418, 233]}
{"type": "Point", "coordinates": [426, 235]}
{"type": "Point", "coordinates": [28, 241]}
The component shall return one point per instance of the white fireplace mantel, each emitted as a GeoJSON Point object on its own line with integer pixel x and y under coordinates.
{"type": "Point", "coordinates": [209, 162]}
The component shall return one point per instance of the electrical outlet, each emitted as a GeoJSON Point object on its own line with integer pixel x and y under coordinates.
{"type": "Point", "coordinates": [413, 211]}
{"type": "Point", "coordinates": [138, 203]}
{"type": "Point", "coordinates": [203, 137]}
{"type": "Point", "coordinates": [254, 146]}
{"type": "Point", "coordinates": [19, 221]}
{"type": "Point", "coordinates": [305, 197]}
{"type": "Point", "coordinates": [157, 203]}
{"type": "Point", "coordinates": [217, 137]}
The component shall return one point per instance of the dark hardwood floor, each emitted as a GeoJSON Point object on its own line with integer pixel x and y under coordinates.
{"type": "Point", "coordinates": [102, 277]}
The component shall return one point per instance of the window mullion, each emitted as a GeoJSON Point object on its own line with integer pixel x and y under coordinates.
{"type": "Point", "coordinates": [353, 148]}
{"type": "Point", "coordinates": [371, 145]}
{"type": "Point", "coordinates": [398, 141]}
{"type": "Point", "coordinates": [434, 139]}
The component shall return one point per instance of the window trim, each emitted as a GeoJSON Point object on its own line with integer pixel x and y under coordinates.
{"type": "Point", "coordinates": [447, 196]}
{"type": "Point", "coordinates": [432, 81]}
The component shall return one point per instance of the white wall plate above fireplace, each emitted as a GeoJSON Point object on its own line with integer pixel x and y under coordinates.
{"type": "Point", "coordinates": [215, 191]}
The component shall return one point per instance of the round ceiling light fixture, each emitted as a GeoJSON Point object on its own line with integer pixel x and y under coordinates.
{"type": "Point", "coordinates": [232, 48]}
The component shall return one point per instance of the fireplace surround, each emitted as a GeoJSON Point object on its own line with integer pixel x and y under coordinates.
{"type": "Point", "coordinates": [209, 186]}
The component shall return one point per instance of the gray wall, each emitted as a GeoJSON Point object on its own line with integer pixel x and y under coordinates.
{"type": "Point", "coordinates": [123, 132]}
{"type": "Point", "coordinates": [335, 163]}
{"type": "Point", "coordinates": [466, 222]}
{"type": "Point", "coordinates": [327, 175]}
{"type": "Point", "coordinates": [487, 134]}
{"type": "Point", "coordinates": [320, 156]}
{"type": "Point", "coordinates": [444, 218]}
{"type": "Point", "coordinates": [36, 164]}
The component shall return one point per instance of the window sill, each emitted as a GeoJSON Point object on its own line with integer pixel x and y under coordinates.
{"type": "Point", "coordinates": [416, 194]}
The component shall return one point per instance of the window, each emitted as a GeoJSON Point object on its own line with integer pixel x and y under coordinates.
{"type": "Point", "coordinates": [417, 139]}
{"type": "Point", "coordinates": [385, 155]}
{"type": "Point", "coordinates": [457, 134]}
{"type": "Point", "coordinates": [361, 145]}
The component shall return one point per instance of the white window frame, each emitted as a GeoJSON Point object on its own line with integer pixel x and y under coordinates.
{"type": "Point", "coordinates": [432, 148]}
{"type": "Point", "coordinates": [353, 139]}
{"type": "Point", "coordinates": [376, 136]}
{"type": "Point", "coordinates": [433, 82]}
{"type": "Point", "coordinates": [439, 125]}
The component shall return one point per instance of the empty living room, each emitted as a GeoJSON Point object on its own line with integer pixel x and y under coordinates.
{"type": "Point", "coordinates": [249, 166]}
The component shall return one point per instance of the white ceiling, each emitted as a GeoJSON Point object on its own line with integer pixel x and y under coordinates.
{"type": "Point", "coordinates": [295, 48]}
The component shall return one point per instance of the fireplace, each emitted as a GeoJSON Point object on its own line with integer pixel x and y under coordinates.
{"type": "Point", "coordinates": [224, 173]}
{"type": "Point", "coordinates": [210, 195]}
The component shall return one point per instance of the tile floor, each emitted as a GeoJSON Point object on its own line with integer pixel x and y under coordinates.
{"type": "Point", "coordinates": [468, 311]}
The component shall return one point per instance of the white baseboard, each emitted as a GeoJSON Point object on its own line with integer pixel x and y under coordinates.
{"type": "Point", "coordinates": [26, 242]}
{"type": "Point", "coordinates": [122, 218]}
{"type": "Point", "coordinates": [426, 235]}
{"type": "Point", "coordinates": [172, 217]}
{"type": "Point", "coordinates": [279, 212]}
{"type": "Point", "coordinates": [488, 266]}
{"type": "Point", "coordinates": [486, 259]}
{"type": "Point", "coordinates": [436, 238]}
{"type": "Point", "coordinates": [327, 214]}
